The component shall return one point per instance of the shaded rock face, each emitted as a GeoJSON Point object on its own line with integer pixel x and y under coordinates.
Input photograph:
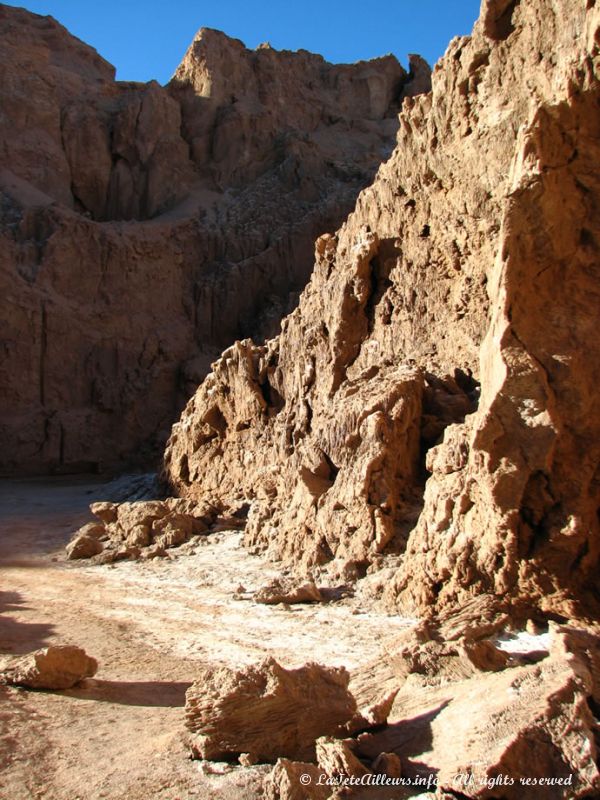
{"type": "Point", "coordinates": [525, 731]}
{"type": "Point", "coordinates": [144, 228]}
{"type": "Point", "coordinates": [434, 392]}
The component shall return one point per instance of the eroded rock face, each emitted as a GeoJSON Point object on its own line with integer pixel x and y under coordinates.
{"type": "Point", "coordinates": [527, 730]}
{"type": "Point", "coordinates": [489, 735]}
{"type": "Point", "coordinates": [54, 667]}
{"type": "Point", "coordinates": [144, 529]}
{"type": "Point", "coordinates": [444, 347]}
{"type": "Point", "coordinates": [144, 228]}
{"type": "Point", "coordinates": [266, 711]}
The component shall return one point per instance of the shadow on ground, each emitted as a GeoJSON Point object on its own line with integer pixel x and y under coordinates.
{"type": "Point", "coordinates": [164, 694]}
{"type": "Point", "coordinates": [20, 637]}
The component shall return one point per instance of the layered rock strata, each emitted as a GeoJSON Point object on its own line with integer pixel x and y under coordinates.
{"type": "Point", "coordinates": [144, 228]}
{"type": "Point", "coordinates": [433, 396]}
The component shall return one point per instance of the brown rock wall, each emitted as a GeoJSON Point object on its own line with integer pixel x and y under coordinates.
{"type": "Point", "coordinates": [465, 277]}
{"type": "Point", "coordinates": [144, 228]}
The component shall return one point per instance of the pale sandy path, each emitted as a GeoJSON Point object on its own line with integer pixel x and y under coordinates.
{"type": "Point", "coordinates": [149, 625]}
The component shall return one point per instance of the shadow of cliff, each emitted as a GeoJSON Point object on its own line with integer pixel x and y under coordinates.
{"type": "Point", "coordinates": [20, 637]}
{"type": "Point", "coordinates": [409, 739]}
{"type": "Point", "coordinates": [163, 694]}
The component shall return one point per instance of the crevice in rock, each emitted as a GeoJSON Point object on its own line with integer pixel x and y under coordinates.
{"type": "Point", "coordinates": [184, 470]}
{"type": "Point", "coordinates": [446, 401]}
{"type": "Point", "coordinates": [215, 419]}
{"type": "Point", "coordinates": [275, 402]}
{"type": "Point", "coordinates": [333, 468]}
{"type": "Point", "coordinates": [43, 349]}
{"type": "Point", "coordinates": [498, 19]}
{"type": "Point", "coordinates": [380, 265]}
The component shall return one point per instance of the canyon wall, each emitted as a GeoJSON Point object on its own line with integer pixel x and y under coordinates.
{"type": "Point", "coordinates": [144, 228]}
{"type": "Point", "coordinates": [431, 403]}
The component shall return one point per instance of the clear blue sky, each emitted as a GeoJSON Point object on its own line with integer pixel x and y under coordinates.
{"type": "Point", "coordinates": [147, 39]}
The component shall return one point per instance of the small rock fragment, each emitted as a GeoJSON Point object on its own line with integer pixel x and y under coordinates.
{"type": "Point", "coordinates": [336, 757]}
{"type": "Point", "coordinates": [388, 764]}
{"type": "Point", "coordinates": [83, 546]}
{"type": "Point", "coordinates": [295, 780]}
{"type": "Point", "coordinates": [288, 590]}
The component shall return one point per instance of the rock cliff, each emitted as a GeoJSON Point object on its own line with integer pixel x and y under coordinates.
{"type": "Point", "coordinates": [144, 228]}
{"type": "Point", "coordinates": [431, 404]}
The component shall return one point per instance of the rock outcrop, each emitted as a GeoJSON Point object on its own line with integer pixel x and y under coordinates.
{"type": "Point", "coordinates": [144, 228]}
{"type": "Point", "coordinates": [266, 711]}
{"type": "Point", "coordinates": [526, 731]}
{"type": "Point", "coordinates": [434, 394]}
{"type": "Point", "coordinates": [143, 529]}
{"type": "Point", "coordinates": [54, 667]}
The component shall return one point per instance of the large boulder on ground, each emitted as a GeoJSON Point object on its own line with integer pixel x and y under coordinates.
{"type": "Point", "coordinates": [266, 711]}
{"type": "Point", "coordinates": [54, 667]}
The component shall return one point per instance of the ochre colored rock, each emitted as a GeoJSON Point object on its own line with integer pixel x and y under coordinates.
{"type": "Point", "coordinates": [336, 757]}
{"type": "Point", "coordinates": [284, 782]}
{"type": "Point", "coordinates": [143, 529]}
{"type": "Point", "coordinates": [288, 590]}
{"type": "Point", "coordinates": [266, 711]}
{"type": "Point", "coordinates": [524, 724]}
{"type": "Point", "coordinates": [54, 667]}
{"type": "Point", "coordinates": [388, 764]}
{"type": "Point", "coordinates": [144, 228]}
{"type": "Point", "coordinates": [83, 545]}
{"type": "Point", "coordinates": [443, 358]}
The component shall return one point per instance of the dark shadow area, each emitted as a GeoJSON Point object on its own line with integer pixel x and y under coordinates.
{"type": "Point", "coordinates": [408, 738]}
{"type": "Point", "coordinates": [20, 637]}
{"type": "Point", "coordinates": [331, 595]}
{"type": "Point", "coordinates": [163, 694]}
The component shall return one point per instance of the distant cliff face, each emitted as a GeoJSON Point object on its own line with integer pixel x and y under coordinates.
{"type": "Point", "coordinates": [432, 403]}
{"type": "Point", "coordinates": [144, 228]}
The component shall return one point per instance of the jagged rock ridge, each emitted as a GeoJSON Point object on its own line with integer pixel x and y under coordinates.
{"type": "Point", "coordinates": [444, 348]}
{"type": "Point", "coordinates": [144, 228]}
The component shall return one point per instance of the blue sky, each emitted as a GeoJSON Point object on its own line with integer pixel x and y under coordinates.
{"type": "Point", "coordinates": [146, 40]}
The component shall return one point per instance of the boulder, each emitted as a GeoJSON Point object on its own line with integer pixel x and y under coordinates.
{"type": "Point", "coordinates": [54, 667]}
{"type": "Point", "coordinates": [288, 590]}
{"type": "Point", "coordinates": [266, 711]}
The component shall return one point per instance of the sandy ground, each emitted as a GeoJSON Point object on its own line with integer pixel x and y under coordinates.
{"type": "Point", "coordinates": [120, 735]}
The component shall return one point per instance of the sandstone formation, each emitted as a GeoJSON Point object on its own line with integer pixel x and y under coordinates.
{"type": "Point", "coordinates": [142, 529]}
{"type": "Point", "coordinates": [54, 667]}
{"type": "Point", "coordinates": [433, 397]}
{"type": "Point", "coordinates": [524, 732]}
{"type": "Point", "coordinates": [337, 757]}
{"type": "Point", "coordinates": [144, 228]}
{"type": "Point", "coordinates": [266, 711]}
